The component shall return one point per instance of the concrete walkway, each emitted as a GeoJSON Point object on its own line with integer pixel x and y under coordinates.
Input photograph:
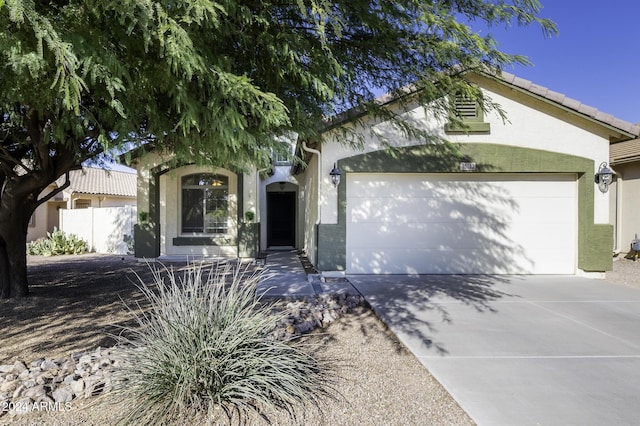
{"type": "Point", "coordinates": [286, 278]}
{"type": "Point", "coordinates": [534, 350]}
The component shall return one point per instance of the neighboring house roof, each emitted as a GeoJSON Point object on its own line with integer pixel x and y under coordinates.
{"type": "Point", "coordinates": [101, 182]}
{"type": "Point", "coordinates": [624, 152]}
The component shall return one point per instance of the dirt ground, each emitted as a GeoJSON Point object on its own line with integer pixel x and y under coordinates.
{"type": "Point", "coordinates": [76, 303]}
{"type": "Point", "coordinates": [626, 271]}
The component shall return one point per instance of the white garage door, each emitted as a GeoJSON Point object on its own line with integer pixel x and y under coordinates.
{"type": "Point", "coordinates": [461, 223]}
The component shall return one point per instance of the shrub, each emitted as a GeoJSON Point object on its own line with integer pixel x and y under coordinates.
{"type": "Point", "coordinates": [143, 217]}
{"type": "Point", "coordinates": [205, 347]}
{"type": "Point", "coordinates": [130, 242]}
{"type": "Point", "coordinates": [57, 243]}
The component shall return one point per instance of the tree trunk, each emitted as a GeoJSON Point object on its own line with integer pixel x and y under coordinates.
{"type": "Point", "coordinates": [37, 164]}
{"type": "Point", "coordinates": [14, 220]}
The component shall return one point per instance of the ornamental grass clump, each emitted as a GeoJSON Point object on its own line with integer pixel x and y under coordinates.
{"type": "Point", "coordinates": [204, 350]}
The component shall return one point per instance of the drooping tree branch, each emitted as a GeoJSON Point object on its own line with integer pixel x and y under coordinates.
{"type": "Point", "coordinates": [56, 190]}
{"type": "Point", "coordinates": [214, 83]}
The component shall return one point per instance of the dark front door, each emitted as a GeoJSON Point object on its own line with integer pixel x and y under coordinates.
{"type": "Point", "coordinates": [281, 219]}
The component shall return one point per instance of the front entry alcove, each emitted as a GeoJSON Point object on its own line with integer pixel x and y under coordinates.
{"type": "Point", "coordinates": [281, 215]}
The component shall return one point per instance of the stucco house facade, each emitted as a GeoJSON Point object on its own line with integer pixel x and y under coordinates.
{"type": "Point", "coordinates": [624, 158]}
{"type": "Point", "coordinates": [89, 187]}
{"type": "Point", "coordinates": [505, 197]}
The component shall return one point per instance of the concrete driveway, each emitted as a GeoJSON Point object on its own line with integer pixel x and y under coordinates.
{"type": "Point", "coordinates": [525, 350]}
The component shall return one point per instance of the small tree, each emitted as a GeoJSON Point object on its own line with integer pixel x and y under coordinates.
{"type": "Point", "coordinates": [213, 82]}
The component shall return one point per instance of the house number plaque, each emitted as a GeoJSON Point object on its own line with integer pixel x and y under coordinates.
{"type": "Point", "coordinates": [467, 167]}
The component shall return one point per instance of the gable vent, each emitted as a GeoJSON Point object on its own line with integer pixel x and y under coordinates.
{"type": "Point", "coordinates": [466, 108]}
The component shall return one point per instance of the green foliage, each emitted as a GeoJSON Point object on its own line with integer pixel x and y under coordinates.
{"type": "Point", "coordinates": [218, 82]}
{"type": "Point", "coordinates": [143, 217]}
{"type": "Point", "coordinates": [204, 350]}
{"type": "Point", "coordinates": [57, 243]}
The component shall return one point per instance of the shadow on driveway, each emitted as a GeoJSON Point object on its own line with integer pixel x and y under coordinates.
{"type": "Point", "coordinates": [409, 301]}
{"type": "Point", "coordinates": [524, 350]}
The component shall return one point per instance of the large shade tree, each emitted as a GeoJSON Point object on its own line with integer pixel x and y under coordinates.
{"type": "Point", "coordinates": [214, 82]}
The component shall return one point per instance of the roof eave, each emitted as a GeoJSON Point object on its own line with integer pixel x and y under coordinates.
{"type": "Point", "coordinates": [622, 131]}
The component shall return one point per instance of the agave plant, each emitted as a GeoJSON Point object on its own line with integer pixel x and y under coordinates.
{"type": "Point", "coordinates": [204, 348]}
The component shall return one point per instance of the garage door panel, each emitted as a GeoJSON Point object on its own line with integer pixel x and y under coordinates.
{"type": "Point", "coordinates": [463, 261]}
{"type": "Point", "coordinates": [534, 185]}
{"type": "Point", "coordinates": [543, 235]}
{"type": "Point", "coordinates": [455, 235]}
{"type": "Point", "coordinates": [368, 186]}
{"type": "Point", "coordinates": [430, 209]}
{"type": "Point", "coordinates": [449, 235]}
{"type": "Point", "coordinates": [545, 210]}
{"type": "Point", "coordinates": [392, 209]}
{"type": "Point", "coordinates": [538, 188]}
{"type": "Point", "coordinates": [411, 261]}
{"type": "Point", "coordinates": [559, 260]}
{"type": "Point", "coordinates": [411, 210]}
{"type": "Point", "coordinates": [475, 223]}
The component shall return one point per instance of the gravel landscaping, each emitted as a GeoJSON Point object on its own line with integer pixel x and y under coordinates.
{"type": "Point", "coordinates": [57, 350]}
{"type": "Point", "coordinates": [625, 272]}
{"type": "Point", "coordinates": [53, 339]}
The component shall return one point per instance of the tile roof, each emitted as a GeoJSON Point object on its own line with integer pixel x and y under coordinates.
{"type": "Point", "coordinates": [629, 130]}
{"type": "Point", "coordinates": [96, 181]}
{"type": "Point", "coordinates": [570, 103]}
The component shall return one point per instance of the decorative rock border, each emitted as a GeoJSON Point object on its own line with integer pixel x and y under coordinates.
{"type": "Point", "coordinates": [314, 312]}
{"type": "Point", "coordinates": [52, 384]}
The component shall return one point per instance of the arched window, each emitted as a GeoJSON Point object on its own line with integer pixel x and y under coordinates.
{"type": "Point", "coordinates": [205, 204]}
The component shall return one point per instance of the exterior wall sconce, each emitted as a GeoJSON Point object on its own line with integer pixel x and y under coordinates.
{"type": "Point", "coordinates": [335, 175]}
{"type": "Point", "coordinates": [604, 177]}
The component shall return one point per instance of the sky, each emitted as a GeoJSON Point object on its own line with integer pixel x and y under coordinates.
{"type": "Point", "coordinates": [594, 59]}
